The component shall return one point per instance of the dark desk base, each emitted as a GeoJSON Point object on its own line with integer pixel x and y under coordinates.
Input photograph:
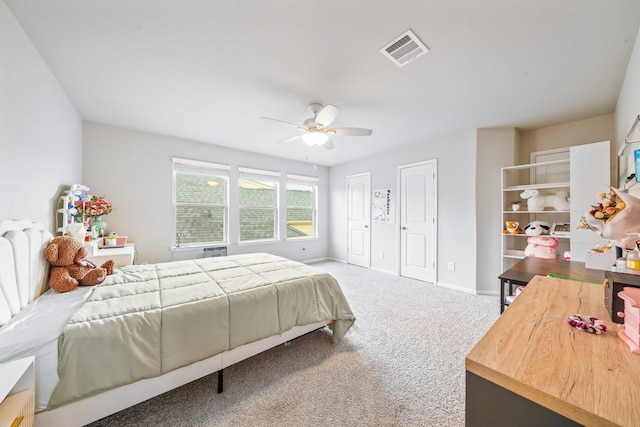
{"type": "Point", "coordinates": [488, 404]}
{"type": "Point", "coordinates": [525, 270]}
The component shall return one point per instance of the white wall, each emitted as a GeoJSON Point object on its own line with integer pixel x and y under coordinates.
{"type": "Point", "coordinates": [496, 149]}
{"type": "Point", "coordinates": [40, 130]}
{"type": "Point", "coordinates": [133, 170]}
{"type": "Point", "coordinates": [456, 206]}
{"type": "Point", "coordinates": [628, 106]}
{"type": "Point", "coordinates": [586, 131]}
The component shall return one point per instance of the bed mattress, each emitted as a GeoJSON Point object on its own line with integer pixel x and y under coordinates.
{"type": "Point", "coordinates": [146, 320]}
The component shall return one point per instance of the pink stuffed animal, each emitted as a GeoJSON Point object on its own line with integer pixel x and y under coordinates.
{"type": "Point", "coordinates": [542, 247]}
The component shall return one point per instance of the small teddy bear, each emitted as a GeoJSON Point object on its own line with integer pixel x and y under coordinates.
{"type": "Point", "coordinates": [70, 269]}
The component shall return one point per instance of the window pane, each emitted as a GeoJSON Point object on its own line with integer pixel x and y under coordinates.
{"type": "Point", "coordinates": [300, 195]}
{"type": "Point", "coordinates": [199, 224]}
{"type": "Point", "coordinates": [257, 224]}
{"type": "Point", "coordinates": [299, 222]}
{"type": "Point", "coordinates": [198, 188]}
{"type": "Point", "coordinates": [257, 193]}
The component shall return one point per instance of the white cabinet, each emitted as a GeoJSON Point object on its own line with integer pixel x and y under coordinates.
{"type": "Point", "coordinates": [121, 255]}
{"type": "Point", "coordinates": [583, 175]}
{"type": "Point", "coordinates": [17, 401]}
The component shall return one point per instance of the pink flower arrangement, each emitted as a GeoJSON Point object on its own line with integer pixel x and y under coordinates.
{"type": "Point", "coordinates": [610, 204]}
{"type": "Point", "coordinates": [95, 207]}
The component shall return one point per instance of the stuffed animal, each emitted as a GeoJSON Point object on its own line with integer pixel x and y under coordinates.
{"type": "Point", "coordinates": [537, 202]}
{"type": "Point", "coordinates": [512, 227]}
{"type": "Point", "coordinates": [542, 247]}
{"type": "Point", "coordinates": [536, 228]}
{"type": "Point", "coordinates": [70, 269]}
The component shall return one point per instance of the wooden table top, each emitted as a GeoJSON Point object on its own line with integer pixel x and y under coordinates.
{"type": "Point", "coordinates": [529, 267]}
{"type": "Point", "coordinates": [532, 351]}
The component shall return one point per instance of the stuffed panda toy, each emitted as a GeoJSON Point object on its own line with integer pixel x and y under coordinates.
{"type": "Point", "coordinates": [537, 228]}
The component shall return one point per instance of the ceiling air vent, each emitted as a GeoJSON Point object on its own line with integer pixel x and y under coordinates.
{"type": "Point", "coordinates": [404, 49]}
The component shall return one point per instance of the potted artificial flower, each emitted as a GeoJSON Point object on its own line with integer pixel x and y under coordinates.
{"type": "Point", "coordinates": [515, 205]}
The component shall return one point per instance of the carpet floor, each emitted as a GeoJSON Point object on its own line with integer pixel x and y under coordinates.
{"type": "Point", "coordinates": [401, 364]}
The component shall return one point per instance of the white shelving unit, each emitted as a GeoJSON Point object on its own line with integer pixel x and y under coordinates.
{"type": "Point", "coordinates": [516, 179]}
{"type": "Point", "coordinates": [583, 175]}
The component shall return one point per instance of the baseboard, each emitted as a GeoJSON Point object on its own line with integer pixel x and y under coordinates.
{"type": "Point", "coordinates": [456, 288]}
{"type": "Point", "coordinates": [488, 293]}
{"type": "Point", "coordinates": [382, 270]}
{"type": "Point", "coordinates": [311, 261]}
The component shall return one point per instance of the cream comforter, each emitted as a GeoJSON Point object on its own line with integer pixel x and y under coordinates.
{"type": "Point", "coordinates": [146, 320]}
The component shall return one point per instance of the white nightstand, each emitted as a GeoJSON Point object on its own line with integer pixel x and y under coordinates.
{"type": "Point", "coordinates": [122, 256]}
{"type": "Point", "coordinates": [17, 398]}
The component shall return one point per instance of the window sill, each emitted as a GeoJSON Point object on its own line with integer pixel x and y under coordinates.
{"type": "Point", "coordinates": [258, 242]}
{"type": "Point", "coordinates": [297, 239]}
{"type": "Point", "coordinates": [200, 246]}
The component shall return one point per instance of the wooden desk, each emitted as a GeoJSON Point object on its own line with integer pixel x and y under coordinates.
{"type": "Point", "coordinates": [525, 270]}
{"type": "Point", "coordinates": [532, 369]}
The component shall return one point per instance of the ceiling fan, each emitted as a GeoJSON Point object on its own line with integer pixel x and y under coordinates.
{"type": "Point", "coordinates": [316, 130]}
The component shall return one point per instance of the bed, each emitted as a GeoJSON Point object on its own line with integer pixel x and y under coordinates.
{"type": "Point", "coordinates": [150, 328]}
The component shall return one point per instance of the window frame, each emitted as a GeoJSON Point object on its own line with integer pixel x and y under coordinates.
{"type": "Point", "coordinates": [179, 165]}
{"type": "Point", "coordinates": [303, 180]}
{"type": "Point", "coordinates": [260, 175]}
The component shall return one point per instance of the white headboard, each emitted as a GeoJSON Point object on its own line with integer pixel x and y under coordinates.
{"type": "Point", "coordinates": [23, 266]}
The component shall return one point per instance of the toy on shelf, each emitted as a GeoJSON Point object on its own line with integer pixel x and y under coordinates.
{"type": "Point", "coordinates": [512, 227]}
{"type": "Point", "coordinates": [537, 202]}
{"type": "Point", "coordinates": [536, 228]}
{"type": "Point", "coordinates": [542, 247]}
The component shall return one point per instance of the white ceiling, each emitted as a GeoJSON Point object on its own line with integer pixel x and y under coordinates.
{"type": "Point", "coordinates": [207, 70]}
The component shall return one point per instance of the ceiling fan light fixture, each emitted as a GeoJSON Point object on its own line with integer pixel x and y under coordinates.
{"type": "Point", "coordinates": [315, 137]}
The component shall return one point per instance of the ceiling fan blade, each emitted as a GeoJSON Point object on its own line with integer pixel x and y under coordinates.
{"type": "Point", "coordinates": [302, 128]}
{"type": "Point", "coordinates": [350, 132]}
{"type": "Point", "coordinates": [290, 139]}
{"type": "Point", "coordinates": [327, 115]}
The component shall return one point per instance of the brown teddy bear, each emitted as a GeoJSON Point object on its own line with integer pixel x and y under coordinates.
{"type": "Point", "coordinates": [70, 269]}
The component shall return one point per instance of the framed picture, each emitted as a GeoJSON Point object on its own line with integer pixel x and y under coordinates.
{"type": "Point", "coordinates": [560, 229]}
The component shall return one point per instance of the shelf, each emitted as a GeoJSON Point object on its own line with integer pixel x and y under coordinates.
{"type": "Point", "coordinates": [537, 186]}
{"type": "Point", "coordinates": [510, 253]}
{"type": "Point", "coordinates": [533, 212]}
{"type": "Point", "coordinates": [542, 235]}
{"type": "Point", "coordinates": [537, 165]}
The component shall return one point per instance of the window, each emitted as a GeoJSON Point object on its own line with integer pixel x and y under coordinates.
{"type": "Point", "coordinates": [258, 208]}
{"type": "Point", "coordinates": [200, 201]}
{"type": "Point", "coordinates": [302, 204]}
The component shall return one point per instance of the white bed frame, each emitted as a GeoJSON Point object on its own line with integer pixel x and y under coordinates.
{"type": "Point", "coordinates": [23, 277]}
